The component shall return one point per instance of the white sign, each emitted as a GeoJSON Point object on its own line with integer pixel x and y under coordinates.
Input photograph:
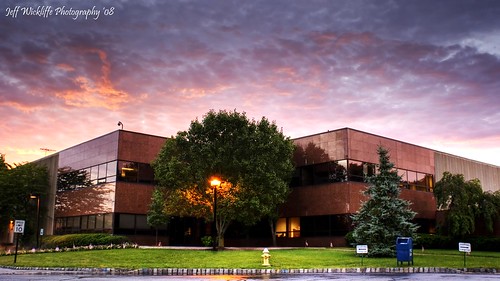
{"type": "Point", "coordinates": [41, 231]}
{"type": "Point", "coordinates": [464, 247]}
{"type": "Point", "coordinates": [361, 249]}
{"type": "Point", "coordinates": [19, 226]}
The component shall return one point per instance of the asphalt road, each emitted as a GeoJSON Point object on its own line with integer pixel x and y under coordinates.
{"type": "Point", "coordinates": [15, 275]}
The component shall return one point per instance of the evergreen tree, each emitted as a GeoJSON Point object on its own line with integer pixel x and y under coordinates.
{"type": "Point", "coordinates": [384, 216]}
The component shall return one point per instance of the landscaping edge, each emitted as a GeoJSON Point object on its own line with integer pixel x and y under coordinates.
{"type": "Point", "coordinates": [246, 272]}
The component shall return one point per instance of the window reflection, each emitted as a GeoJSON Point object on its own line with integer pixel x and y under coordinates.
{"type": "Point", "coordinates": [111, 170]}
{"type": "Point", "coordinates": [102, 171]}
{"type": "Point", "coordinates": [146, 173]}
{"type": "Point", "coordinates": [135, 172]}
{"type": "Point", "coordinates": [343, 170]}
{"type": "Point", "coordinates": [87, 223]}
{"type": "Point", "coordinates": [356, 171]}
{"type": "Point", "coordinates": [93, 174]}
{"type": "Point", "coordinates": [128, 171]}
{"type": "Point", "coordinates": [69, 179]}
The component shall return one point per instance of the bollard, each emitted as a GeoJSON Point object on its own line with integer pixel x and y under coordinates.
{"type": "Point", "coordinates": [265, 257]}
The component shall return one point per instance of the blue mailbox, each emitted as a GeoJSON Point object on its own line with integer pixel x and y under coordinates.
{"type": "Point", "coordinates": [404, 250]}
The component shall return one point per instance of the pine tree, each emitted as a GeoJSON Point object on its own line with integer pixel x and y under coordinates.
{"type": "Point", "coordinates": [384, 216]}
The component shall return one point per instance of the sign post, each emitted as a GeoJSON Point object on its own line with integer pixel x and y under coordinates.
{"type": "Point", "coordinates": [464, 247]}
{"type": "Point", "coordinates": [18, 229]}
{"type": "Point", "coordinates": [361, 250]}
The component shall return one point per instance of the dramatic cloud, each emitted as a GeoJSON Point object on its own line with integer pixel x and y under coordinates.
{"type": "Point", "coordinates": [423, 72]}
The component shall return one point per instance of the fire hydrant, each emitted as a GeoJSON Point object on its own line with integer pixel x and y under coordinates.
{"type": "Point", "coordinates": [265, 257]}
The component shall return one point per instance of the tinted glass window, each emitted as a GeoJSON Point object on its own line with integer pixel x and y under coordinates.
{"type": "Point", "coordinates": [146, 173]}
{"type": "Point", "coordinates": [128, 171]}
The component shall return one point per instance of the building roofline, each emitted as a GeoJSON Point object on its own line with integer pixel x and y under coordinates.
{"type": "Point", "coordinates": [400, 141]}
{"type": "Point", "coordinates": [101, 136]}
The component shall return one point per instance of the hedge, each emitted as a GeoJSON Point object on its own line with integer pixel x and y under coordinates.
{"type": "Point", "coordinates": [70, 240]}
{"type": "Point", "coordinates": [432, 241]}
{"type": "Point", "coordinates": [479, 243]}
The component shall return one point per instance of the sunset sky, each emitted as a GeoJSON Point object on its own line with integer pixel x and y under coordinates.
{"type": "Point", "coordinates": [423, 72]}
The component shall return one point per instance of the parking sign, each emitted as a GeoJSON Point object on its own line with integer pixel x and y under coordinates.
{"type": "Point", "coordinates": [19, 226]}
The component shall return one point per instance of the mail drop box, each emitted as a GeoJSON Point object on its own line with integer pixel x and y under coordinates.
{"type": "Point", "coordinates": [404, 250]}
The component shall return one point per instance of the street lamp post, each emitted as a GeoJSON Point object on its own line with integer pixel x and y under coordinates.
{"type": "Point", "coordinates": [37, 197]}
{"type": "Point", "coordinates": [215, 183]}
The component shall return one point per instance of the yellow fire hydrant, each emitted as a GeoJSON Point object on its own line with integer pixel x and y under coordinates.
{"type": "Point", "coordinates": [265, 257]}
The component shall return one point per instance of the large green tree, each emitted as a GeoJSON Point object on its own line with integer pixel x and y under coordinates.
{"type": "Point", "coordinates": [464, 202]}
{"type": "Point", "coordinates": [384, 216]}
{"type": "Point", "coordinates": [253, 159]}
{"type": "Point", "coordinates": [17, 184]}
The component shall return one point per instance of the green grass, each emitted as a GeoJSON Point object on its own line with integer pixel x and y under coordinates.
{"type": "Point", "coordinates": [244, 259]}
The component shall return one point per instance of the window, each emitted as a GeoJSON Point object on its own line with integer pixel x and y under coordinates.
{"type": "Point", "coordinates": [135, 172]}
{"type": "Point", "coordinates": [288, 227]}
{"type": "Point", "coordinates": [281, 227]}
{"type": "Point", "coordinates": [142, 222]}
{"type": "Point", "coordinates": [102, 172]}
{"type": "Point", "coordinates": [99, 222]}
{"type": "Point", "coordinates": [412, 178]}
{"type": "Point", "coordinates": [84, 222]}
{"type": "Point", "coordinates": [294, 227]}
{"type": "Point", "coordinates": [127, 221]}
{"type": "Point", "coordinates": [108, 221]}
{"type": "Point", "coordinates": [321, 173]}
{"type": "Point", "coordinates": [111, 172]}
{"type": "Point", "coordinates": [128, 171]}
{"type": "Point", "coordinates": [296, 178]}
{"type": "Point", "coordinates": [429, 180]}
{"type": "Point", "coordinates": [146, 173]}
{"type": "Point", "coordinates": [94, 173]}
{"type": "Point", "coordinates": [369, 169]}
{"type": "Point", "coordinates": [356, 171]}
{"type": "Point", "coordinates": [404, 178]}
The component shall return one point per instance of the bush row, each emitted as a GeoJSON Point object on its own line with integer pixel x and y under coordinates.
{"type": "Point", "coordinates": [432, 241]}
{"type": "Point", "coordinates": [70, 240]}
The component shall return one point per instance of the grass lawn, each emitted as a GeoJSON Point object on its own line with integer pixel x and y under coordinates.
{"type": "Point", "coordinates": [244, 259]}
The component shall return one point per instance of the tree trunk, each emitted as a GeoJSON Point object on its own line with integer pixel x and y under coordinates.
{"type": "Point", "coordinates": [273, 232]}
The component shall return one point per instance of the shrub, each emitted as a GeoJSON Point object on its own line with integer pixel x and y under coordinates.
{"type": "Point", "coordinates": [70, 240]}
{"type": "Point", "coordinates": [349, 239]}
{"type": "Point", "coordinates": [431, 241]}
{"type": "Point", "coordinates": [207, 241]}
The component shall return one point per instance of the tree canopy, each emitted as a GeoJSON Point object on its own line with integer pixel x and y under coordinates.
{"type": "Point", "coordinates": [464, 203]}
{"type": "Point", "coordinates": [253, 160]}
{"type": "Point", "coordinates": [17, 184]}
{"type": "Point", "coordinates": [384, 216]}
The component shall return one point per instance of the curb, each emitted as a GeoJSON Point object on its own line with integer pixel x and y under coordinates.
{"type": "Point", "coordinates": [225, 271]}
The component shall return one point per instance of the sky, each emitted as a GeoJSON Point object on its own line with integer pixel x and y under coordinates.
{"type": "Point", "coordinates": [424, 72]}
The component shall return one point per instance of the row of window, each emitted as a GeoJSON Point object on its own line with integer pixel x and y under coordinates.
{"type": "Point", "coordinates": [351, 170]}
{"type": "Point", "coordinates": [327, 225]}
{"type": "Point", "coordinates": [99, 222]}
{"type": "Point", "coordinates": [103, 222]}
{"type": "Point", "coordinates": [107, 172]}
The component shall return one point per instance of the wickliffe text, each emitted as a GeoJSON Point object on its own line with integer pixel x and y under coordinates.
{"type": "Point", "coordinates": [47, 11]}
